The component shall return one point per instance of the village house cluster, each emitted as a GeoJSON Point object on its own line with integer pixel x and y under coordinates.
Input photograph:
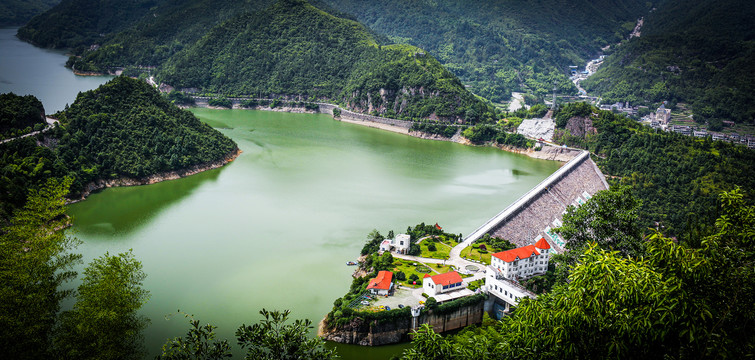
{"type": "Point", "coordinates": [502, 276]}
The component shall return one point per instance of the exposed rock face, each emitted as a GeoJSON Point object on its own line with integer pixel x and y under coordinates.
{"type": "Point", "coordinates": [537, 128]}
{"type": "Point", "coordinates": [171, 175]}
{"type": "Point", "coordinates": [374, 333]}
{"type": "Point", "coordinates": [581, 126]}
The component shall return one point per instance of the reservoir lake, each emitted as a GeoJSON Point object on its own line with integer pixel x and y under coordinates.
{"type": "Point", "coordinates": [274, 228]}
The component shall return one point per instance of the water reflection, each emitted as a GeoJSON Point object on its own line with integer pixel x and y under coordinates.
{"type": "Point", "coordinates": [136, 206]}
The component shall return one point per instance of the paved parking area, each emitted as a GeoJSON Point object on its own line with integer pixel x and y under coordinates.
{"type": "Point", "coordinates": [400, 296]}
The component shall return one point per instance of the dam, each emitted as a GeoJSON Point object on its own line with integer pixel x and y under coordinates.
{"type": "Point", "coordinates": [536, 213]}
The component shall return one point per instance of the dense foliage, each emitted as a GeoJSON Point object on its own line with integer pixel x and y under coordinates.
{"type": "Point", "coordinates": [122, 129]}
{"type": "Point", "coordinates": [677, 302]}
{"type": "Point", "coordinates": [18, 12]}
{"type": "Point", "coordinates": [34, 262]}
{"type": "Point", "coordinates": [695, 52]}
{"type": "Point", "coordinates": [19, 114]}
{"type": "Point", "coordinates": [676, 177]}
{"type": "Point", "coordinates": [501, 46]}
{"type": "Point", "coordinates": [495, 46]}
{"type": "Point", "coordinates": [105, 322]}
{"type": "Point", "coordinates": [293, 48]}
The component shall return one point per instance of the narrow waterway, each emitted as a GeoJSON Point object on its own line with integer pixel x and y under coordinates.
{"type": "Point", "coordinates": [274, 228]}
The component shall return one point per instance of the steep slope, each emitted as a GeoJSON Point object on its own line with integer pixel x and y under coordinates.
{"type": "Point", "coordinates": [497, 46]}
{"type": "Point", "coordinates": [494, 46]}
{"type": "Point", "coordinates": [18, 12]}
{"type": "Point", "coordinates": [697, 52]}
{"type": "Point", "coordinates": [19, 114]}
{"type": "Point", "coordinates": [293, 48]}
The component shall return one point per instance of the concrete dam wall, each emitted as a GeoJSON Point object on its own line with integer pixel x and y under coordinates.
{"type": "Point", "coordinates": [541, 209]}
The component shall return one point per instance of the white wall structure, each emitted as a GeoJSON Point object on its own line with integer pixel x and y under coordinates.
{"type": "Point", "coordinates": [401, 243]}
{"type": "Point", "coordinates": [523, 262]}
{"type": "Point", "coordinates": [442, 283]}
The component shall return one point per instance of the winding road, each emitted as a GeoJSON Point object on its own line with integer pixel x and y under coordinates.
{"type": "Point", "coordinates": [50, 124]}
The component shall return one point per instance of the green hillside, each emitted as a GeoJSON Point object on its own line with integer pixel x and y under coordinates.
{"type": "Point", "coordinates": [122, 129]}
{"type": "Point", "coordinates": [499, 46]}
{"type": "Point", "coordinates": [20, 115]}
{"type": "Point", "coordinates": [18, 12]}
{"type": "Point", "coordinates": [494, 46]}
{"type": "Point", "coordinates": [695, 52]}
{"type": "Point", "coordinates": [293, 48]}
{"type": "Point", "coordinates": [678, 178]}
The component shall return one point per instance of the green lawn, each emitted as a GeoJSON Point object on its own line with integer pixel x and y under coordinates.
{"type": "Point", "coordinates": [409, 268]}
{"type": "Point", "coordinates": [474, 254]}
{"type": "Point", "coordinates": [441, 249]}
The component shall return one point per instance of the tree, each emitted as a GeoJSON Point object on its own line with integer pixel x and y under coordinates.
{"type": "Point", "coordinates": [676, 302]}
{"type": "Point", "coordinates": [198, 344]}
{"type": "Point", "coordinates": [34, 262]}
{"type": "Point", "coordinates": [104, 322]}
{"type": "Point", "coordinates": [271, 338]}
{"type": "Point", "coordinates": [610, 219]}
{"type": "Point", "coordinates": [428, 345]}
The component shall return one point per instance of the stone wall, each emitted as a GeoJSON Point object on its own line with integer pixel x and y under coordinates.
{"type": "Point", "coordinates": [532, 216]}
{"type": "Point", "coordinates": [350, 115]}
{"type": "Point", "coordinates": [371, 333]}
{"type": "Point", "coordinates": [545, 205]}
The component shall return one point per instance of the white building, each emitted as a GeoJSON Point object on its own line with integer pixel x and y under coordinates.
{"type": "Point", "coordinates": [508, 291]}
{"type": "Point", "coordinates": [508, 266]}
{"type": "Point", "coordinates": [400, 244]}
{"type": "Point", "coordinates": [442, 283]}
{"type": "Point", "coordinates": [523, 262]}
{"type": "Point", "coordinates": [663, 115]}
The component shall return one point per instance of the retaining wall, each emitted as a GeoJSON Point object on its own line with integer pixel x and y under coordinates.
{"type": "Point", "coordinates": [527, 219]}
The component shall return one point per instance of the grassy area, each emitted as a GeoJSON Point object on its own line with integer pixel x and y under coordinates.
{"type": "Point", "coordinates": [475, 254]}
{"type": "Point", "coordinates": [408, 268]}
{"type": "Point", "coordinates": [443, 246]}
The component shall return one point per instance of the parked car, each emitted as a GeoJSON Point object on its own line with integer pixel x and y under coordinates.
{"type": "Point", "coordinates": [400, 306]}
{"type": "Point", "coordinates": [387, 308]}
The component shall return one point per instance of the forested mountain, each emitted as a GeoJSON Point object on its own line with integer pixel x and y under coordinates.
{"type": "Point", "coordinates": [495, 46]}
{"type": "Point", "coordinates": [18, 12]}
{"type": "Point", "coordinates": [19, 114]}
{"type": "Point", "coordinates": [293, 48]}
{"type": "Point", "coordinates": [498, 46]}
{"type": "Point", "coordinates": [122, 129]}
{"type": "Point", "coordinates": [696, 52]}
{"type": "Point", "coordinates": [677, 178]}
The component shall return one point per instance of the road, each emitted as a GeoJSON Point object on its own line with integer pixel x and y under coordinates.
{"type": "Point", "coordinates": [50, 124]}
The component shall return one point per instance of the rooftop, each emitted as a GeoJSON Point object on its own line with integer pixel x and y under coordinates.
{"type": "Point", "coordinates": [448, 278]}
{"type": "Point", "coordinates": [382, 281]}
{"type": "Point", "coordinates": [518, 253]}
{"type": "Point", "coordinates": [542, 244]}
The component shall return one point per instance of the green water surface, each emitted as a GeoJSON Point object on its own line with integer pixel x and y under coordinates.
{"type": "Point", "coordinates": [274, 228]}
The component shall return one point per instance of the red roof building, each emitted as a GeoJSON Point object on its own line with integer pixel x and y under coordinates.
{"type": "Point", "coordinates": [512, 255]}
{"type": "Point", "coordinates": [382, 283]}
{"type": "Point", "coordinates": [542, 244]}
{"type": "Point", "coordinates": [523, 262]}
{"type": "Point", "coordinates": [442, 283]}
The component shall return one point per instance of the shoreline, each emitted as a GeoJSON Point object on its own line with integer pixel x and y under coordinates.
{"type": "Point", "coordinates": [548, 152]}
{"type": "Point", "coordinates": [98, 185]}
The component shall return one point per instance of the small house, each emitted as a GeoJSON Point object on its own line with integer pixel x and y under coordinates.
{"type": "Point", "coordinates": [442, 283]}
{"type": "Point", "coordinates": [382, 284]}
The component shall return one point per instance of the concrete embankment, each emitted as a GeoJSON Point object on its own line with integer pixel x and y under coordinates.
{"type": "Point", "coordinates": [170, 175]}
{"type": "Point", "coordinates": [534, 214]}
